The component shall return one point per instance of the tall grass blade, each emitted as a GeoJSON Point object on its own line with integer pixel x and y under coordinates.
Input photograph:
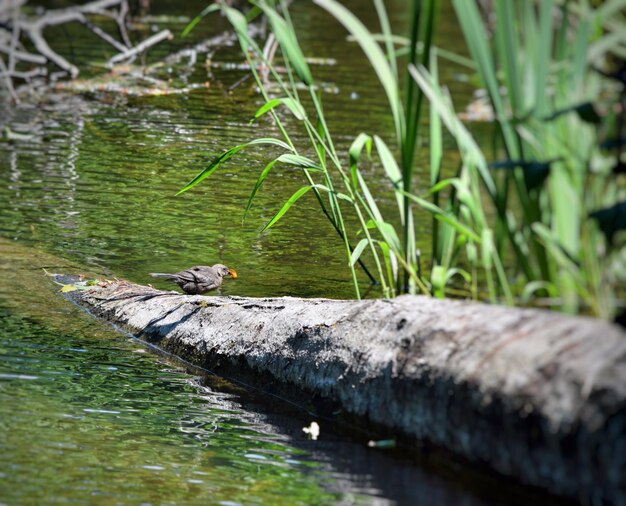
{"type": "Point", "coordinates": [288, 43]}
{"type": "Point", "coordinates": [293, 105]}
{"type": "Point", "coordinates": [609, 43]}
{"type": "Point", "coordinates": [487, 250]}
{"type": "Point", "coordinates": [436, 137]}
{"type": "Point", "coordinates": [440, 277]}
{"type": "Point", "coordinates": [436, 157]}
{"type": "Point", "coordinates": [391, 237]}
{"type": "Point", "coordinates": [372, 207]}
{"type": "Point", "coordinates": [257, 186]}
{"type": "Point", "coordinates": [387, 35]}
{"type": "Point", "coordinates": [239, 23]}
{"type": "Point", "coordinates": [214, 165]}
{"type": "Point", "coordinates": [445, 217]}
{"type": "Point", "coordinates": [543, 58]}
{"type": "Point", "coordinates": [300, 161]}
{"type": "Point", "coordinates": [509, 54]}
{"type": "Point", "coordinates": [356, 253]}
{"type": "Point", "coordinates": [286, 206]}
{"type": "Point", "coordinates": [562, 256]}
{"type": "Point", "coordinates": [334, 193]}
{"type": "Point", "coordinates": [469, 149]}
{"type": "Point", "coordinates": [610, 8]}
{"type": "Point", "coordinates": [391, 266]}
{"type": "Point", "coordinates": [475, 35]}
{"type": "Point", "coordinates": [375, 56]}
{"type": "Point", "coordinates": [579, 61]}
{"type": "Point", "coordinates": [537, 286]}
{"type": "Point", "coordinates": [360, 143]}
{"type": "Point", "coordinates": [192, 24]}
{"type": "Point", "coordinates": [393, 173]}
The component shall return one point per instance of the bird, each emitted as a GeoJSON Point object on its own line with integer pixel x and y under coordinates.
{"type": "Point", "coordinates": [200, 278]}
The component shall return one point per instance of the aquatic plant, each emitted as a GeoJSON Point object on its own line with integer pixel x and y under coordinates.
{"type": "Point", "coordinates": [549, 172]}
{"type": "Point", "coordinates": [394, 253]}
{"type": "Point", "coordinates": [514, 230]}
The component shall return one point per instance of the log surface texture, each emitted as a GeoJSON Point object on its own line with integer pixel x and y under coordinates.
{"type": "Point", "coordinates": [534, 395]}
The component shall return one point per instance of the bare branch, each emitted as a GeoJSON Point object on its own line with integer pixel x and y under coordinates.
{"type": "Point", "coordinates": [42, 46]}
{"type": "Point", "coordinates": [121, 23]}
{"type": "Point", "coordinates": [23, 56]}
{"type": "Point", "coordinates": [149, 42]}
{"type": "Point", "coordinates": [15, 26]}
{"type": "Point", "coordinates": [105, 36]}
{"type": "Point", "coordinates": [36, 72]}
{"type": "Point", "coordinates": [7, 78]}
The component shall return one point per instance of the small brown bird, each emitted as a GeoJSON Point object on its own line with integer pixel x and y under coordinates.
{"type": "Point", "coordinates": [199, 279]}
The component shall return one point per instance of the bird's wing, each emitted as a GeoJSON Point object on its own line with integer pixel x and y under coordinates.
{"type": "Point", "coordinates": [194, 275]}
{"type": "Point", "coordinates": [194, 288]}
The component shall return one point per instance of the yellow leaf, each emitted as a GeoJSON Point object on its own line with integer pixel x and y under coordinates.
{"type": "Point", "coordinates": [68, 288]}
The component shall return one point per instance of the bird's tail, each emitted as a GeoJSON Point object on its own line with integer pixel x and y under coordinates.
{"type": "Point", "coordinates": [162, 275]}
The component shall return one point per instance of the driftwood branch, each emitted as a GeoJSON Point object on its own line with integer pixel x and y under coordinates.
{"type": "Point", "coordinates": [33, 29]}
{"type": "Point", "coordinates": [533, 394]}
{"type": "Point", "coordinates": [141, 47]}
{"type": "Point", "coordinates": [36, 37]}
{"type": "Point", "coordinates": [105, 36]}
{"type": "Point", "coordinates": [15, 26]}
{"type": "Point", "coordinates": [16, 54]}
{"type": "Point", "coordinates": [4, 72]}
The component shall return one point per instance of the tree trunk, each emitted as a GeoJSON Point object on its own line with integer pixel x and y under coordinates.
{"type": "Point", "coordinates": [535, 395]}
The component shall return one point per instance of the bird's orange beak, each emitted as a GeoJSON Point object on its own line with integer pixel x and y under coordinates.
{"type": "Point", "coordinates": [233, 273]}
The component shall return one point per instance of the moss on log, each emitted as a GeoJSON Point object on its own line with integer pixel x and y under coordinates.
{"type": "Point", "coordinates": [535, 395]}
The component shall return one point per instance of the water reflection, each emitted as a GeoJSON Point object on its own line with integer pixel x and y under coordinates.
{"type": "Point", "coordinates": [85, 416]}
{"type": "Point", "coordinates": [82, 418]}
{"type": "Point", "coordinates": [94, 418]}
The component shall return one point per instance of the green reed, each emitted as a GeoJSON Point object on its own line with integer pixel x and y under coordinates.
{"type": "Point", "coordinates": [393, 252]}
{"type": "Point", "coordinates": [548, 173]}
{"type": "Point", "coordinates": [513, 230]}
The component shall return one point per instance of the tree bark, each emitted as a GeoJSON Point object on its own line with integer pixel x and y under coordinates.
{"type": "Point", "coordinates": [535, 395]}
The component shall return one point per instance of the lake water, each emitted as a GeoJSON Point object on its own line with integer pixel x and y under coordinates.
{"type": "Point", "coordinates": [89, 415]}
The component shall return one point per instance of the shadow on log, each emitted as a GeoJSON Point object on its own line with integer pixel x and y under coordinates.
{"type": "Point", "coordinates": [535, 395]}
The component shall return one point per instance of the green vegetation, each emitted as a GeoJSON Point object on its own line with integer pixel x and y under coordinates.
{"type": "Point", "coordinates": [516, 229]}
{"type": "Point", "coordinates": [553, 173]}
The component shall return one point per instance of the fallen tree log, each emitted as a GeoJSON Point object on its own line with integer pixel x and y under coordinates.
{"type": "Point", "coordinates": [535, 395]}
